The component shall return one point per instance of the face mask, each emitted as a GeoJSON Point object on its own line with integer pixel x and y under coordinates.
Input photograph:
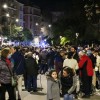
{"type": "Point", "coordinates": [9, 56]}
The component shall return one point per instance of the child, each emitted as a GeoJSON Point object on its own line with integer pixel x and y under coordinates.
{"type": "Point", "coordinates": [53, 86]}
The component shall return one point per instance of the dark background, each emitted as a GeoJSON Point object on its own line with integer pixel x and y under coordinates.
{"type": "Point", "coordinates": [50, 4]}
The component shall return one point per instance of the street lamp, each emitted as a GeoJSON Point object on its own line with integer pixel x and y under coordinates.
{"type": "Point", "coordinates": [5, 6]}
{"type": "Point", "coordinates": [36, 24]}
{"type": "Point", "coordinates": [77, 34]}
{"type": "Point", "coordinates": [49, 25]}
{"type": "Point", "coordinates": [17, 20]}
{"type": "Point", "coordinates": [7, 15]}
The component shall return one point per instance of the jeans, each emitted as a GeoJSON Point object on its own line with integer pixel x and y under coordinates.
{"type": "Point", "coordinates": [43, 68]}
{"type": "Point", "coordinates": [31, 82]}
{"type": "Point", "coordinates": [10, 89]}
{"type": "Point", "coordinates": [68, 97]}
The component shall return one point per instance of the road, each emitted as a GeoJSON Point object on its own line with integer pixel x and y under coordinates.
{"type": "Point", "coordinates": [41, 95]}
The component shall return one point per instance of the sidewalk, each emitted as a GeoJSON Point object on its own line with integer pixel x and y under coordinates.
{"type": "Point", "coordinates": [41, 95]}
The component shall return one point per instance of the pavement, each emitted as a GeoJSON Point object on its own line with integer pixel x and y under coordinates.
{"type": "Point", "coordinates": [41, 95]}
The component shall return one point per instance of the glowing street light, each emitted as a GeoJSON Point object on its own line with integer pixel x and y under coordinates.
{"type": "Point", "coordinates": [7, 15]}
{"type": "Point", "coordinates": [49, 25]}
{"type": "Point", "coordinates": [36, 24]}
{"type": "Point", "coordinates": [60, 37]}
{"type": "Point", "coordinates": [17, 20]}
{"type": "Point", "coordinates": [5, 6]}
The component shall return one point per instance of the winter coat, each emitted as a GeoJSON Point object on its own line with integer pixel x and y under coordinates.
{"type": "Point", "coordinates": [58, 62]}
{"type": "Point", "coordinates": [72, 63]}
{"type": "Point", "coordinates": [31, 66]}
{"type": "Point", "coordinates": [93, 59]}
{"type": "Point", "coordinates": [68, 84]}
{"type": "Point", "coordinates": [19, 63]}
{"type": "Point", "coordinates": [53, 89]}
{"type": "Point", "coordinates": [50, 57]}
{"type": "Point", "coordinates": [5, 76]}
{"type": "Point", "coordinates": [85, 66]}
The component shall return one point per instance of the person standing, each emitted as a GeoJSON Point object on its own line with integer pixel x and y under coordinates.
{"type": "Point", "coordinates": [5, 76]}
{"type": "Point", "coordinates": [31, 68]}
{"type": "Point", "coordinates": [86, 73]}
{"type": "Point", "coordinates": [93, 57]}
{"type": "Point", "coordinates": [53, 86]}
{"type": "Point", "coordinates": [58, 61]}
{"type": "Point", "coordinates": [70, 62]}
{"type": "Point", "coordinates": [19, 67]}
{"type": "Point", "coordinates": [74, 51]}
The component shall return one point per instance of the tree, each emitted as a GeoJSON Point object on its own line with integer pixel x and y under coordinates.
{"type": "Point", "coordinates": [27, 34]}
{"type": "Point", "coordinates": [5, 31]}
{"type": "Point", "coordinates": [64, 40]}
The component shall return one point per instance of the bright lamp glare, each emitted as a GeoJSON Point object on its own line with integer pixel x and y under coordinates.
{"type": "Point", "coordinates": [7, 15]}
{"type": "Point", "coordinates": [36, 24]}
{"type": "Point", "coordinates": [36, 40]}
{"type": "Point", "coordinates": [49, 25]}
{"type": "Point", "coordinates": [45, 40]}
{"type": "Point", "coordinates": [5, 6]}
{"type": "Point", "coordinates": [17, 20]}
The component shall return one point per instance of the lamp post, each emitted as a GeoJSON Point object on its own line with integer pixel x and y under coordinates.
{"type": "Point", "coordinates": [77, 34]}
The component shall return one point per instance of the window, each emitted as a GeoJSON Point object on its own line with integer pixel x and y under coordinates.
{"type": "Point", "coordinates": [21, 8]}
{"type": "Point", "coordinates": [21, 17]}
{"type": "Point", "coordinates": [30, 18]}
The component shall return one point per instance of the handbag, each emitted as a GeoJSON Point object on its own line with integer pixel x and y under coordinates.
{"type": "Point", "coordinates": [13, 81]}
{"type": "Point", "coordinates": [13, 78]}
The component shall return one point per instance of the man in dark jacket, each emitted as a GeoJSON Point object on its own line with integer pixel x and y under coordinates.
{"type": "Point", "coordinates": [19, 67]}
{"type": "Point", "coordinates": [31, 68]}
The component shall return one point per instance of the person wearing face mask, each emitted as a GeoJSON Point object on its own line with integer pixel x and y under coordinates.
{"type": "Point", "coordinates": [5, 75]}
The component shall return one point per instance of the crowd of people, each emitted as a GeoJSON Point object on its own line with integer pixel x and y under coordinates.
{"type": "Point", "coordinates": [69, 70]}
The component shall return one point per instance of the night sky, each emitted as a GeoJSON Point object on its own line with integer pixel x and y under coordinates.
{"type": "Point", "coordinates": [50, 4]}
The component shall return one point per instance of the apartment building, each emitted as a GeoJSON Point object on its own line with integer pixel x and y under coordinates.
{"type": "Point", "coordinates": [24, 15]}
{"type": "Point", "coordinates": [32, 19]}
{"type": "Point", "coordinates": [11, 12]}
{"type": "Point", "coordinates": [20, 15]}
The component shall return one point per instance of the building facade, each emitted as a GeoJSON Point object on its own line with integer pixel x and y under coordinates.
{"type": "Point", "coordinates": [32, 19]}
{"type": "Point", "coordinates": [26, 16]}
{"type": "Point", "coordinates": [20, 8]}
{"type": "Point", "coordinates": [11, 13]}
